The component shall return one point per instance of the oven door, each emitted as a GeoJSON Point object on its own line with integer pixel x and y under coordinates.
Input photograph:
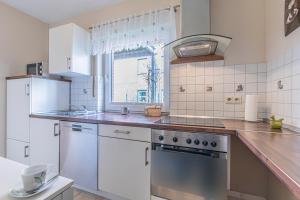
{"type": "Point", "coordinates": [187, 174]}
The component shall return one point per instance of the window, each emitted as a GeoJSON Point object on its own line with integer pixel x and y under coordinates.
{"type": "Point", "coordinates": [137, 76]}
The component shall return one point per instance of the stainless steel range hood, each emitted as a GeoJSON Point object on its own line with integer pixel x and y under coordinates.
{"type": "Point", "coordinates": [196, 38]}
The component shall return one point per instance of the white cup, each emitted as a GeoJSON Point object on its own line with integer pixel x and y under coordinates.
{"type": "Point", "coordinates": [34, 177]}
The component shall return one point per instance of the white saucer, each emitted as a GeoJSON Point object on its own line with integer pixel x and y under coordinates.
{"type": "Point", "coordinates": [18, 191]}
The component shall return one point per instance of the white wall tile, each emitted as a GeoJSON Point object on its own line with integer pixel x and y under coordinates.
{"type": "Point", "coordinates": [209, 106]}
{"type": "Point", "coordinates": [251, 68]}
{"type": "Point", "coordinates": [200, 80]}
{"type": "Point", "coordinates": [251, 78]}
{"type": "Point", "coordinates": [209, 97]}
{"type": "Point", "coordinates": [262, 77]}
{"type": "Point", "coordinates": [251, 88]}
{"type": "Point", "coordinates": [228, 88]}
{"type": "Point", "coordinates": [262, 67]}
{"type": "Point", "coordinates": [195, 78]}
{"type": "Point", "coordinates": [240, 69]}
{"type": "Point", "coordinates": [229, 78]}
{"type": "Point", "coordinates": [296, 96]}
{"type": "Point", "coordinates": [191, 97]}
{"type": "Point", "coordinates": [240, 78]}
{"type": "Point", "coordinates": [296, 82]}
{"type": "Point", "coordinates": [229, 70]}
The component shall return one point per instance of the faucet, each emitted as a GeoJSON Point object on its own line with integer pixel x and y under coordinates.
{"type": "Point", "coordinates": [82, 107]}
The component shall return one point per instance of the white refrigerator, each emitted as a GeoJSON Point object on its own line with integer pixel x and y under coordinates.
{"type": "Point", "coordinates": [24, 97]}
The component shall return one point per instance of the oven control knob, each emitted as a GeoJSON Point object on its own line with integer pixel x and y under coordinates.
{"type": "Point", "coordinates": [161, 138]}
{"type": "Point", "coordinates": [213, 144]}
{"type": "Point", "coordinates": [189, 141]}
{"type": "Point", "coordinates": [205, 143]}
{"type": "Point", "coordinates": [175, 139]}
{"type": "Point", "coordinates": [196, 142]}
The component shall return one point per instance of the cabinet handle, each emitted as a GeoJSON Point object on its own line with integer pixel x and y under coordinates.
{"type": "Point", "coordinates": [77, 127]}
{"type": "Point", "coordinates": [27, 89]}
{"type": "Point", "coordinates": [121, 131]}
{"type": "Point", "coordinates": [56, 133]}
{"type": "Point", "coordinates": [26, 155]}
{"type": "Point", "coordinates": [146, 156]}
{"type": "Point", "coordinates": [69, 62]}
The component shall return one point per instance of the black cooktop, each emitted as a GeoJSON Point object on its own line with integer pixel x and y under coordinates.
{"type": "Point", "coordinates": [190, 121]}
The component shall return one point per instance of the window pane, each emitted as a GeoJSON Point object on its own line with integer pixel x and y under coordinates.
{"type": "Point", "coordinates": [137, 76]}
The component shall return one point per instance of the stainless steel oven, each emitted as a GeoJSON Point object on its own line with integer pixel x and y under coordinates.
{"type": "Point", "coordinates": [189, 166]}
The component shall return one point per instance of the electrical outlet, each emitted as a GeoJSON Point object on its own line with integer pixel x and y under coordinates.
{"type": "Point", "coordinates": [237, 100]}
{"type": "Point", "coordinates": [229, 100]}
{"type": "Point", "coordinates": [233, 100]}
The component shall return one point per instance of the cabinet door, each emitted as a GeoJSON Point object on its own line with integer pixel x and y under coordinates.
{"type": "Point", "coordinates": [60, 49]}
{"type": "Point", "coordinates": [81, 61]}
{"type": "Point", "coordinates": [18, 109]}
{"type": "Point", "coordinates": [69, 52]}
{"type": "Point", "coordinates": [124, 168]}
{"type": "Point", "coordinates": [18, 151]}
{"type": "Point", "coordinates": [44, 142]}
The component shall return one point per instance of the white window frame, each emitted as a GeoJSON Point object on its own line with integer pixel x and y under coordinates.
{"type": "Point", "coordinates": [110, 106]}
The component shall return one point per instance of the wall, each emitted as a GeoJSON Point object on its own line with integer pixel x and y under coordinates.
{"type": "Point", "coordinates": [236, 19]}
{"type": "Point", "coordinates": [231, 18]}
{"type": "Point", "coordinates": [23, 40]}
{"type": "Point", "coordinates": [276, 43]}
{"type": "Point", "coordinates": [283, 57]}
{"type": "Point", "coordinates": [224, 80]}
{"type": "Point", "coordinates": [121, 10]}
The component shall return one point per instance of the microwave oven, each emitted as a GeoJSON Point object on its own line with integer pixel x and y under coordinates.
{"type": "Point", "coordinates": [38, 69]}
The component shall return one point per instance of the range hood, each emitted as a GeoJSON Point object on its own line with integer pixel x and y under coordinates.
{"type": "Point", "coordinates": [197, 43]}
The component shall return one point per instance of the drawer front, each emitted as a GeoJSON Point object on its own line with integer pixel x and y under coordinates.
{"type": "Point", "coordinates": [125, 132]}
{"type": "Point", "coordinates": [79, 127]}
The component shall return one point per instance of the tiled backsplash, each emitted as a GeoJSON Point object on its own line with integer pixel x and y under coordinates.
{"type": "Point", "coordinates": [190, 85]}
{"type": "Point", "coordinates": [82, 93]}
{"type": "Point", "coordinates": [284, 101]}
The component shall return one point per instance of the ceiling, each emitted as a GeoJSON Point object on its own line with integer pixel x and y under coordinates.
{"type": "Point", "coordinates": [54, 11]}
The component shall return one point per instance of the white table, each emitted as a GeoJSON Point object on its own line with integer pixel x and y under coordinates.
{"type": "Point", "coordinates": [10, 176]}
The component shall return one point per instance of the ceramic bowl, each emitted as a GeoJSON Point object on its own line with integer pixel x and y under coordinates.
{"type": "Point", "coordinates": [34, 177]}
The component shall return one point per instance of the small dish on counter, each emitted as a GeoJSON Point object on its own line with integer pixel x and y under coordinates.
{"type": "Point", "coordinates": [19, 191]}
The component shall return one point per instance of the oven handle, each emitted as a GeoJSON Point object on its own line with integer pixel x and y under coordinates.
{"type": "Point", "coordinates": [211, 154]}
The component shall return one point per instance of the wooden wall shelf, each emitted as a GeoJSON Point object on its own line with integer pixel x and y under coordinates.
{"type": "Point", "coordinates": [196, 59]}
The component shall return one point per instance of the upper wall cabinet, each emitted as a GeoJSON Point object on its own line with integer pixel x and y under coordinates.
{"type": "Point", "coordinates": [69, 53]}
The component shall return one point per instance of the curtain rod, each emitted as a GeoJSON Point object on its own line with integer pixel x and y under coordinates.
{"type": "Point", "coordinates": [174, 7]}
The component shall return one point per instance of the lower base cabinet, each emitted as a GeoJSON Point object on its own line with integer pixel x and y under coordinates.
{"type": "Point", "coordinates": [42, 148]}
{"type": "Point", "coordinates": [18, 151]}
{"type": "Point", "coordinates": [44, 143]}
{"type": "Point", "coordinates": [124, 167]}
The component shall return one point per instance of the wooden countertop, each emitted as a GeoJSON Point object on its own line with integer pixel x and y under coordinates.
{"type": "Point", "coordinates": [10, 173]}
{"type": "Point", "coordinates": [279, 150]}
{"type": "Point", "coordinates": [52, 77]}
{"type": "Point", "coordinates": [137, 120]}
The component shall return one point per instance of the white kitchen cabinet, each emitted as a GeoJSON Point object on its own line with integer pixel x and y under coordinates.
{"type": "Point", "coordinates": [18, 151]}
{"type": "Point", "coordinates": [124, 166]}
{"type": "Point", "coordinates": [44, 143]}
{"type": "Point", "coordinates": [26, 96]}
{"type": "Point", "coordinates": [69, 53]}
{"type": "Point", "coordinates": [18, 109]}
